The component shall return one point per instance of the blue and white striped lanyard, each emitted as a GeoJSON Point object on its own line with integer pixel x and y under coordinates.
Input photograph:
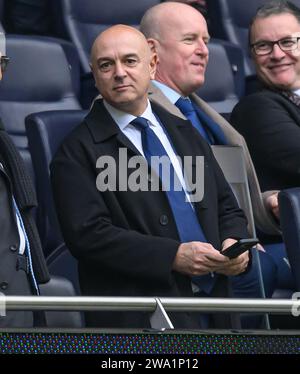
{"type": "Point", "coordinates": [20, 221]}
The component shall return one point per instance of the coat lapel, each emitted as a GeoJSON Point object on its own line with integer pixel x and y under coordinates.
{"type": "Point", "coordinates": [102, 127]}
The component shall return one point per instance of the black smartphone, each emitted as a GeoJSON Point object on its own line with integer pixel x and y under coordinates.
{"type": "Point", "coordinates": [239, 247]}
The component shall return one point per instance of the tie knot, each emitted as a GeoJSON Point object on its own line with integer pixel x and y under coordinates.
{"type": "Point", "coordinates": [140, 123]}
{"type": "Point", "coordinates": [292, 96]}
{"type": "Point", "coordinates": [185, 105]}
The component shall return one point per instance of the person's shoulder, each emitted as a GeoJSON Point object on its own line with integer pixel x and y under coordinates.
{"type": "Point", "coordinates": [257, 100]}
{"type": "Point", "coordinates": [81, 132]}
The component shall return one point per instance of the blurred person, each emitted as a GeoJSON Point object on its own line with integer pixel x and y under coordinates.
{"type": "Point", "coordinates": [270, 119]}
{"type": "Point", "coordinates": [22, 264]}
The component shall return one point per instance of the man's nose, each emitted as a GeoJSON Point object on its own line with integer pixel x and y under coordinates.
{"type": "Point", "coordinates": [202, 48]}
{"type": "Point", "coordinates": [119, 70]}
{"type": "Point", "coordinates": [277, 53]}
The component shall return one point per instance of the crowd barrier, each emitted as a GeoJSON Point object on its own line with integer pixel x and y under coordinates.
{"type": "Point", "coordinates": [160, 339]}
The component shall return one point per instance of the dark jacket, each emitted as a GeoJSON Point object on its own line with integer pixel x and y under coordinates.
{"type": "Point", "coordinates": [126, 242]}
{"type": "Point", "coordinates": [14, 182]}
{"type": "Point", "coordinates": [270, 124]}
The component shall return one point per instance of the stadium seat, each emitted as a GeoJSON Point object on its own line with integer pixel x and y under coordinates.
{"type": "Point", "coordinates": [230, 21]}
{"type": "Point", "coordinates": [45, 132]}
{"type": "Point", "coordinates": [289, 204]}
{"type": "Point", "coordinates": [37, 78]}
{"type": "Point", "coordinates": [1, 10]}
{"type": "Point", "coordinates": [82, 21]}
{"type": "Point", "coordinates": [60, 286]}
{"type": "Point", "coordinates": [232, 164]}
{"type": "Point", "coordinates": [224, 77]}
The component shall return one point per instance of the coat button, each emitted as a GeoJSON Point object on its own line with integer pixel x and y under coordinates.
{"type": "Point", "coordinates": [164, 220]}
{"type": "Point", "coordinates": [3, 285]}
{"type": "Point", "coordinates": [13, 248]}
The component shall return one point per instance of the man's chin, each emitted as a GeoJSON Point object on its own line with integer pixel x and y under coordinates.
{"type": "Point", "coordinates": [282, 85]}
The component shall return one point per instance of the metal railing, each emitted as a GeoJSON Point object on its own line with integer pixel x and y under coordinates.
{"type": "Point", "coordinates": [158, 306]}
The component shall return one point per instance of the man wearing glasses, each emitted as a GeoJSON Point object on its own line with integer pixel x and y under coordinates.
{"type": "Point", "coordinates": [270, 119]}
{"type": "Point", "coordinates": [22, 265]}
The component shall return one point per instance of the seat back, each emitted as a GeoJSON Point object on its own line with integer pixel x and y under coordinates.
{"type": "Point", "coordinates": [231, 161]}
{"type": "Point", "coordinates": [84, 20]}
{"type": "Point", "coordinates": [1, 10]}
{"type": "Point", "coordinates": [224, 78]}
{"type": "Point", "coordinates": [45, 131]}
{"type": "Point", "coordinates": [37, 78]}
{"type": "Point", "coordinates": [289, 204]}
{"type": "Point", "coordinates": [60, 286]}
{"type": "Point", "coordinates": [230, 21]}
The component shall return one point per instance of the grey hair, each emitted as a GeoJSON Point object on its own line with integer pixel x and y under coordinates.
{"type": "Point", "coordinates": [275, 7]}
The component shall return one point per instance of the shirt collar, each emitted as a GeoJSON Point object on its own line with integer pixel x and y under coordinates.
{"type": "Point", "coordinates": [297, 92]}
{"type": "Point", "coordinates": [123, 119]}
{"type": "Point", "coordinates": [171, 94]}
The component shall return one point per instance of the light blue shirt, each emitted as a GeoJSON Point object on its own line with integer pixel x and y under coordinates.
{"type": "Point", "coordinates": [171, 94]}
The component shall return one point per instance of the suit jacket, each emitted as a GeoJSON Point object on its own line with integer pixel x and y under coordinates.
{"type": "Point", "coordinates": [264, 219]}
{"type": "Point", "coordinates": [14, 280]}
{"type": "Point", "coordinates": [270, 123]}
{"type": "Point", "coordinates": [126, 242]}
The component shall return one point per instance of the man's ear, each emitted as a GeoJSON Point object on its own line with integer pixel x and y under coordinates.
{"type": "Point", "coordinates": [91, 66]}
{"type": "Point", "coordinates": [153, 64]}
{"type": "Point", "coordinates": [152, 44]}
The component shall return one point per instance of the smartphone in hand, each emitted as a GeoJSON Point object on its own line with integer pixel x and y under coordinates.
{"type": "Point", "coordinates": [239, 247]}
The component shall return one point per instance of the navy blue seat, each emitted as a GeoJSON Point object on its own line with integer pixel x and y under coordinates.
{"type": "Point", "coordinates": [61, 286]}
{"type": "Point", "coordinates": [230, 21]}
{"type": "Point", "coordinates": [289, 204]}
{"type": "Point", "coordinates": [1, 15]}
{"type": "Point", "coordinates": [37, 78]}
{"type": "Point", "coordinates": [1, 10]}
{"type": "Point", "coordinates": [224, 78]}
{"type": "Point", "coordinates": [82, 21]}
{"type": "Point", "coordinates": [45, 131]}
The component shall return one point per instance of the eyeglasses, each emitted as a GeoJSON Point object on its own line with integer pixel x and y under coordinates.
{"type": "Point", "coordinates": [266, 47]}
{"type": "Point", "coordinates": [4, 60]}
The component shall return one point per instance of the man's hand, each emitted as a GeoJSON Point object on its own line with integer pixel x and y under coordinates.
{"type": "Point", "coordinates": [272, 204]}
{"type": "Point", "coordinates": [197, 258]}
{"type": "Point", "coordinates": [236, 265]}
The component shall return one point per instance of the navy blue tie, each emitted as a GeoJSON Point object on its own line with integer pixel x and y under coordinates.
{"type": "Point", "coordinates": [186, 107]}
{"type": "Point", "coordinates": [187, 223]}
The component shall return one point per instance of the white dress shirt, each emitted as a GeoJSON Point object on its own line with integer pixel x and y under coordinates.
{"type": "Point", "coordinates": [123, 120]}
